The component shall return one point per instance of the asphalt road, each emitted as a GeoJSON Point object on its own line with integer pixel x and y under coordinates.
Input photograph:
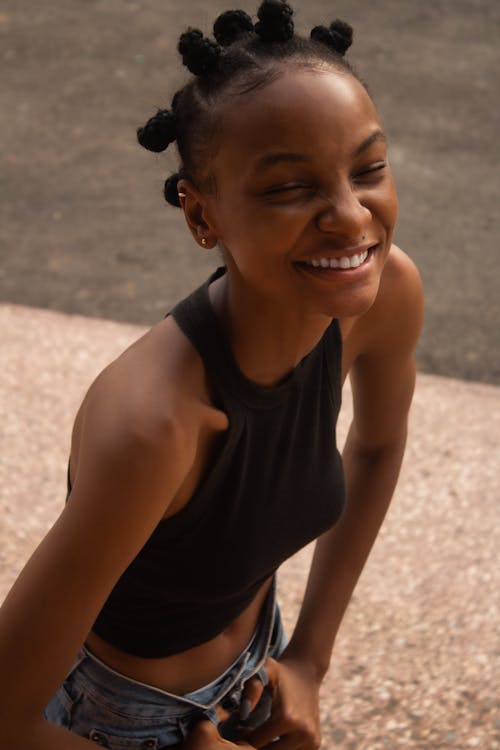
{"type": "Point", "coordinates": [83, 226]}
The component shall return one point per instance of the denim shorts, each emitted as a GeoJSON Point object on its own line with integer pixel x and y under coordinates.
{"type": "Point", "coordinates": [117, 712]}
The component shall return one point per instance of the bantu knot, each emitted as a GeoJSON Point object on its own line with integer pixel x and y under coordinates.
{"type": "Point", "coordinates": [275, 21]}
{"type": "Point", "coordinates": [175, 100]}
{"type": "Point", "coordinates": [170, 190]}
{"type": "Point", "coordinates": [231, 25]}
{"type": "Point", "coordinates": [338, 36]}
{"type": "Point", "coordinates": [159, 131]}
{"type": "Point", "coordinates": [199, 54]}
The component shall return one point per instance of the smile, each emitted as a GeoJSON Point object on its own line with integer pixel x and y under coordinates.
{"type": "Point", "coordinates": [343, 263]}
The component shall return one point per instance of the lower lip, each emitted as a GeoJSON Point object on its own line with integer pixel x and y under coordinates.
{"type": "Point", "coordinates": [338, 273]}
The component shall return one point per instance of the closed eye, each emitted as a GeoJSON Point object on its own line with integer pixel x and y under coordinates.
{"type": "Point", "coordinates": [288, 187]}
{"type": "Point", "coordinates": [374, 170]}
{"type": "Point", "coordinates": [289, 192]}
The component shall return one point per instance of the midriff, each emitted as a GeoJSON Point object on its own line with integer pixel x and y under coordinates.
{"type": "Point", "coordinates": [192, 669]}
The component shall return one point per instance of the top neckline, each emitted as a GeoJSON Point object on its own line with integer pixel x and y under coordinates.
{"type": "Point", "coordinates": [246, 390]}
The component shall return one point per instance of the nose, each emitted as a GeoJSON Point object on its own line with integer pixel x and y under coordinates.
{"type": "Point", "coordinates": [343, 213]}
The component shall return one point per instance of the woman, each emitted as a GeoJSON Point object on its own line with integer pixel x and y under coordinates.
{"type": "Point", "coordinates": [205, 455]}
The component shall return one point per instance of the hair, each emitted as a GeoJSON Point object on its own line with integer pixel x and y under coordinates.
{"type": "Point", "coordinates": [242, 57]}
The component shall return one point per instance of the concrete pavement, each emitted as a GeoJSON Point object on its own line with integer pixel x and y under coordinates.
{"type": "Point", "coordinates": [416, 664]}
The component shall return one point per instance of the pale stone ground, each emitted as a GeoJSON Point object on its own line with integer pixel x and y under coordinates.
{"type": "Point", "coordinates": [417, 659]}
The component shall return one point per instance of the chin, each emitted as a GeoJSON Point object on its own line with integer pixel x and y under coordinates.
{"type": "Point", "coordinates": [354, 305]}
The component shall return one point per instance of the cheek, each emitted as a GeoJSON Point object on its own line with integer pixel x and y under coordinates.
{"type": "Point", "coordinates": [391, 200]}
{"type": "Point", "coordinates": [384, 206]}
{"type": "Point", "coordinates": [244, 224]}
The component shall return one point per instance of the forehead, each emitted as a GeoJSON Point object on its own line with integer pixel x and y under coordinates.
{"type": "Point", "coordinates": [320, 114]}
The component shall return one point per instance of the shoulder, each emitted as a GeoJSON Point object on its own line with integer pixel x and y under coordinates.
{"type": "Point", "coordinates": [381, 346]}
{"type": "Point", "coordinates": [152, 399]}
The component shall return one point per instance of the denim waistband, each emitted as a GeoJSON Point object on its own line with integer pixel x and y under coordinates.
{"type": "Point", "coordinates": [250, 662]}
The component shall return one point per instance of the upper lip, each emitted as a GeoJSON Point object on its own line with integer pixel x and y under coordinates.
{"type": "Point", "coordinates": [342, 252]}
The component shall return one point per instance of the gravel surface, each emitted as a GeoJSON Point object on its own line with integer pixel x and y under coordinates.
{"type": "Point", "coordinates": [417, 659]}
{"type": "Point", "coordinates": [82, 217]}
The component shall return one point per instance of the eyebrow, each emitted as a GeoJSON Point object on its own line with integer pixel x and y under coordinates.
{"type": "Point", "coordinates": [291, 157]}
{"type": "Point", "coordinates": [377, 135]}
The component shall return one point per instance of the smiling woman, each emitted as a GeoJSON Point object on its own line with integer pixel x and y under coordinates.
{"type": "Point", "coordinates": [205, 455]}
{"type": "Point", "coordinates": [312, 195]}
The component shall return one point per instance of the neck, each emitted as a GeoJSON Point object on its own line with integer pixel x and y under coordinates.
{"type": "Point", "coordinates": [267, 340]}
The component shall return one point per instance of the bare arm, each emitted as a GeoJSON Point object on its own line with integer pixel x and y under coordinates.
{"type": "Point", "coordinates": [123, 487]}
{"type": "Point", "coordinates": [383, 378]}
{"type": "Point", "coordinates": [340, 554]}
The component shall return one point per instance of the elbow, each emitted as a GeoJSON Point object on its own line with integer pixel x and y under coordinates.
{"type": "Point", "coordinates": [377, 447]}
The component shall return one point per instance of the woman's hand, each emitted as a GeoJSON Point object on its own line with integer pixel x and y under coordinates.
{"type": "Point", "coordinates": [294, 716]}
{"type": "Point", "coordinates": [205, 736]}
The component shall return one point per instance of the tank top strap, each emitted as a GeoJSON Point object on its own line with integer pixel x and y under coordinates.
{"type": "Point", "coordinates": [196, 319]}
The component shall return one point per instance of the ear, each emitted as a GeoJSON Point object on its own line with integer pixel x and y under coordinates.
{"type": "Point", "coordinates": [194, 205]}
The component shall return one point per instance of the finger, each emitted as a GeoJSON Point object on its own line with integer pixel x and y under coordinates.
{"type": "Point", "coordinates": [254, 687]}
{"type": "Point", "coordinates": [202, 736]}
{"type": "Point", "coordinates": [221, 713]}
{"type": "Point", "coordinates": [272, 668]}
{"type": "Point", "coordinates": [251, 696]}
{"type": "Point", "coordinates": [205, 736]}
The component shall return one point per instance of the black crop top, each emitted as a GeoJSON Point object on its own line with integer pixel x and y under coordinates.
{"type": "Point", "coordinates": [276, 484]}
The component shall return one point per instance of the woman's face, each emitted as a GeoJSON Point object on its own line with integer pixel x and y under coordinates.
{"type": "Point", "coordinates": [304, 205]}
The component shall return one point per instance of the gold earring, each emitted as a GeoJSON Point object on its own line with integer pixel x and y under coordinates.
{"type": "Point", "coordinates": [182, 195]}
{"type": "Point", "coordinates": [203, 242]}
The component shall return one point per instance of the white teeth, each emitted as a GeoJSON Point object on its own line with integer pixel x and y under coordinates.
{"type": "Point", "coordinates": [344, 263]}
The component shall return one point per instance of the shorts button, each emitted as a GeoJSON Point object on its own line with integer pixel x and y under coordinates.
{"type": "Point", "coordinates": [96, 737]}
{"type": "Point", "coordinates": [150, 743]}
